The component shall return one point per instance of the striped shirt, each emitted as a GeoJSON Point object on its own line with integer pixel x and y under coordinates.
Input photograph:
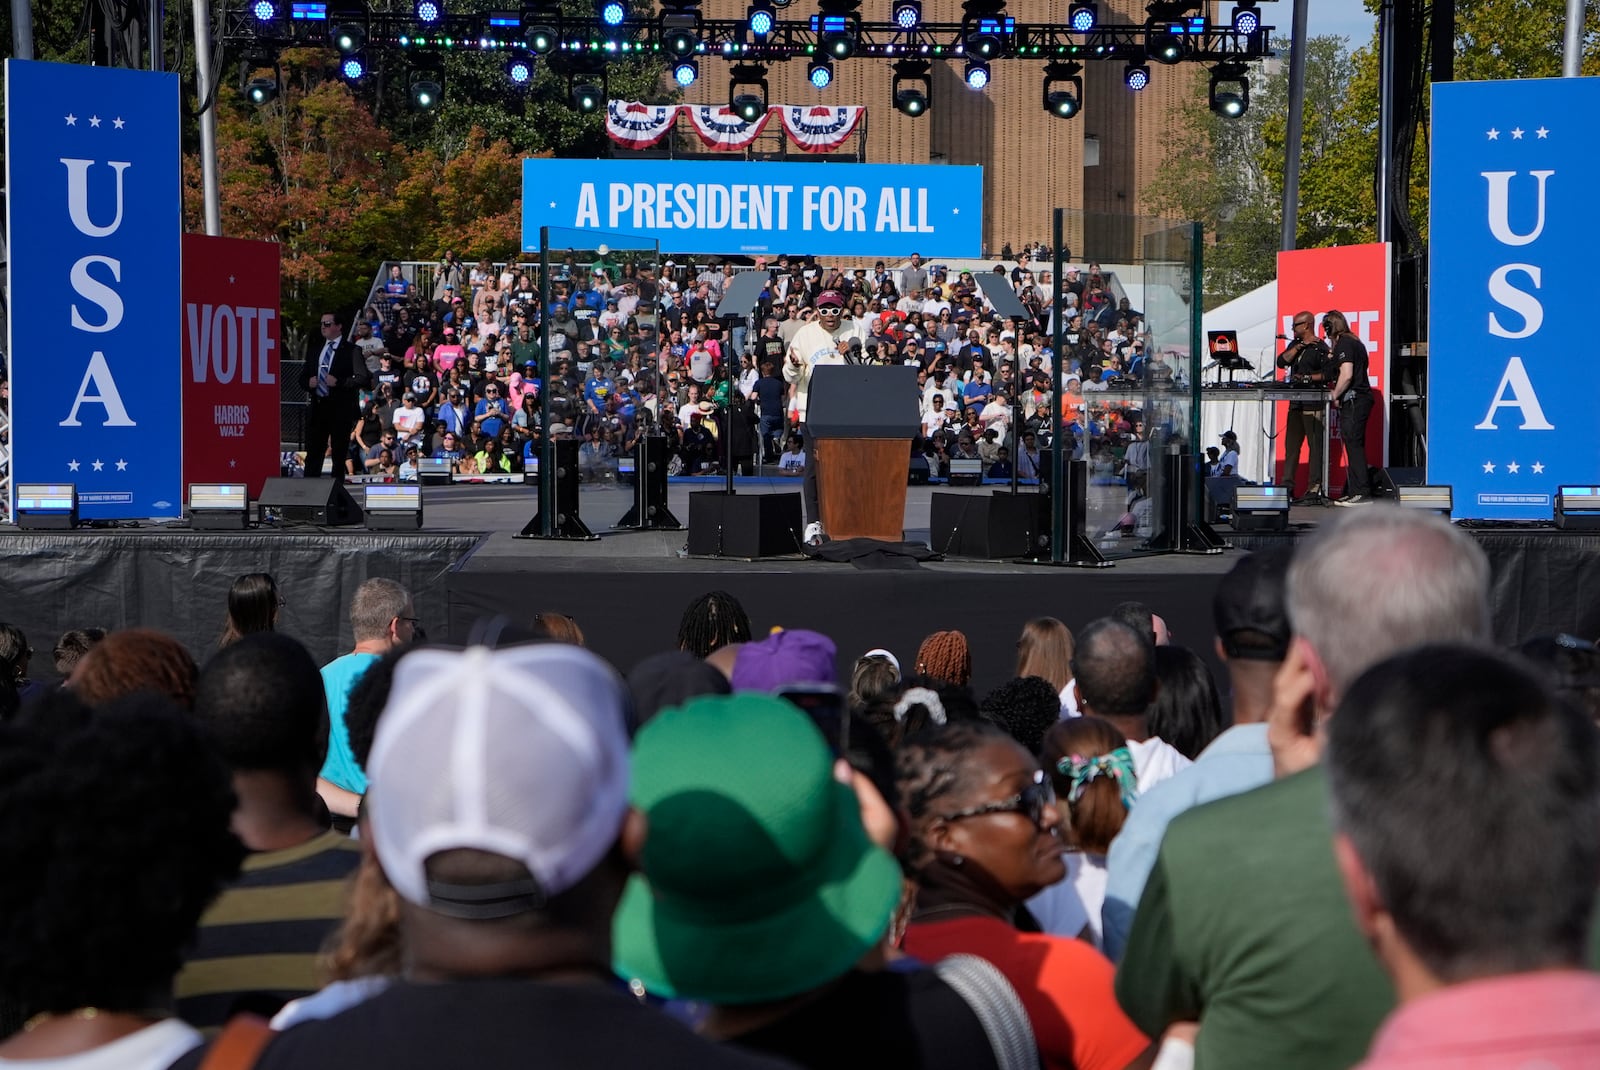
{"type": "Point", "coordinates": [258, 945]}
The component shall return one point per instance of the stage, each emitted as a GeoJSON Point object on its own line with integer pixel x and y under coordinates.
{"type": "Point", "coordinates": [627, 589]}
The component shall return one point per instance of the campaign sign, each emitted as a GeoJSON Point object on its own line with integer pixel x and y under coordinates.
{"type": "Point", "coordinates": [93, 213]}
{"type": "Point", "coordinates": [1511, 394]}
{"type": "Point", "coordinates": [739, 207]}
{"type": "Point", "coordinates": [230, 361]}
{"type": "Point", "coordinates": [1353, 280]}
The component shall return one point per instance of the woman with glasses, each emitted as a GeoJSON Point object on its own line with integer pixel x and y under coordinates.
{"type": "Point", "coordinates": [985, 837]}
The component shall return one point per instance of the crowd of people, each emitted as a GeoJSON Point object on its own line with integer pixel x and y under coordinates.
{"type": "Point", "coordinates": [640, 348]}
{"type": "Point", "coordinates": [1373, 845]}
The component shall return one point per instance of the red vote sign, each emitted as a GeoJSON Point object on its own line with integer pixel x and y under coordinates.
{"type": "Point", "coordinates": [230, 361]}
{"type": "Point", "coordinates": [1353, 279]}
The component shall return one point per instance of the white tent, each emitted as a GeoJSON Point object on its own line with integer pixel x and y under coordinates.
{"type": "Point", "coordinates": [1255, 317]}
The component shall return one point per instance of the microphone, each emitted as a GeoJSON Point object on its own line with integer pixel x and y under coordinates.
{"type": "Point", "coordinates": [1282, 337]}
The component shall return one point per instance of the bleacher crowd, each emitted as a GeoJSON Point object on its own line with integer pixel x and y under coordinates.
{"type": "Point", "coordinates": [1374, 841]}
{"type": "Point", "coordinates": [639, 348]}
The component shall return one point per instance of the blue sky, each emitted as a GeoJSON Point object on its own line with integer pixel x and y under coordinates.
{"type": "Point", "coordinates": [1347, 18]}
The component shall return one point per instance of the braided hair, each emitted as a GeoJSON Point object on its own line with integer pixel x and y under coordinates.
{"type": "Point", "coordinates": [945, 656]}
{"type": "Point", "coordinates": [712, 621]}
{"type": "Point", "coordinates": [930, 767]}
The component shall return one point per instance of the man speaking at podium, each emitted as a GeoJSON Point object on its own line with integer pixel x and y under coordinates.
{"type": "Point", "coordinates": [816, 343]}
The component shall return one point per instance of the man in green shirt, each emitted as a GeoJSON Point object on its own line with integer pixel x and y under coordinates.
{"type": "Point", "coordinates": [1244, 926]}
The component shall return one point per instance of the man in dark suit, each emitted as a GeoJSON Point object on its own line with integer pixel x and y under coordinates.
{"type": "Point", "coordinates": [333, 376]}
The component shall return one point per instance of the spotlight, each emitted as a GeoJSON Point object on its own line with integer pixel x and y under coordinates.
{"type": "Point", "coordinates": [762, 18]}
{"type": "Point", "coordinates": [837, 37]}
{"type": "Point", "coordinates": [820, 72]}
{"type": "Point", "coordinates": [353, 68]}
{"type": "Point", "coordinates": [983, 40]}
{"type": "Point", "coordinates": [519, 68]}
{"type": "Point", "coordinates": [747, 91]}
{"type": "Point", "coordinates": [1246, 19]}
{"type": "Point", "coordinates": [1229, 91]}
{"type": "Point", "coordinates": [428, 12]}
{"type": "Point", "coordinates": [685, 71]}
{"type": "Point", "coordinates": [612, 12]}
{"type": "Point", "coordinates": [1164, 46]}
{"type": "Point", "coordinates": [587, 97]}
{"type": "Point", "coordinates": [1062, 94]}
{"type": "Point", "coordinates": [977, 74]}
{"type": "Point", "coordinates": [541, 37]}
{"type": "Point", "coordinates": [1083, 17]}
{"type": "Point", "coordinates": [680, 33]}
{"type": "Point", "coordinates": [264, 10]}
{"type": "Point", "coordinates": [349, 37]}
{"type": "Point", "coordinates": [1136, 76]}
{"type": "Point", "coordinates": [425, 94]}
{"type": "Point", "coordinates": [912, 87]}
{"type": "Point", "coordinates": [908, 14]}
{"type": "Point", "coordinates": [261, 90]}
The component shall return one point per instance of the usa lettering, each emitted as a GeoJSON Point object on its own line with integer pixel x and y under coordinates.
{"type": "Point", "coordinates": [1514, 287]}
{"type": "Point", "coordinates": [94, 279]}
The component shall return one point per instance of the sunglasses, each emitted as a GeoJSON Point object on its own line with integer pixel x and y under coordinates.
{"type": "Point", "coordinates": [1030, 802]}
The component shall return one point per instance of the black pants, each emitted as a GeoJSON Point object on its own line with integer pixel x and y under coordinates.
{"type": "Point", "coordinates": [328, 426]}
{"type": "Point", "coordinates": [1304, 426]}
{"type": "Point", "coordinates": [1353, 430]}
{"type": "Point", "coordinates": [808, 486]}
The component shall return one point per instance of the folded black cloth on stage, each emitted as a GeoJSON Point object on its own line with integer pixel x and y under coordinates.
{"type": "Point", "coordinates": [869, 554]}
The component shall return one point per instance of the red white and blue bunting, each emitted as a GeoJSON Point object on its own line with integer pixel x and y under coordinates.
{"type": "Point", "coordinates": [719, 128]}
{"type": "Point", "coordinates": [639, 126]}
{"type": "Point", "coordinates": [818, 128]}
{"type": "Point", "coordinates": [811, 128]}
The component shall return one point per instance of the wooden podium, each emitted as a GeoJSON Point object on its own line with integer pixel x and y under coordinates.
{"type": "Point", "coordinates": [861, 419]}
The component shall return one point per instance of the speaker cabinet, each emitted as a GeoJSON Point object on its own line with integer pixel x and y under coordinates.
{"type": "Point", "coordinates": [323, 502]}
{"type": "Point", "coordinates": [744, 525]}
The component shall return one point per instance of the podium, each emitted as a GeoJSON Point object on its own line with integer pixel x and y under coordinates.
{"type": "Point", "coordinates": [861, 419]}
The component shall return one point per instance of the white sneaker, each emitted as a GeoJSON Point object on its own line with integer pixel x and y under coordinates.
{"type": "Point", "coordinates": [1353, 499]}
{"type": "Point", "coordinates": [813, 536]}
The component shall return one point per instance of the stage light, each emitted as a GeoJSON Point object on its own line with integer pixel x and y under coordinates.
{"type": "Point", "coordinates": [392, 506]}
{"type": "Point", "coordinates": [1246, 19]}
{"type": "Point", "coordinates": [983, 41]}
{"type": "Point", "coordinates": [1164, 46]}
{"type": "Point", "coordinates": [751, 79]}
{"type": "Point", "coordinates": [353, 68]}
{"type": "Point", "coordinates": [425, 94]}
{"type": "Point", "coordinates": [1062, 94]}
{"type": "Point", "coordinates": [1260, 508]}
{"type": "Point", "coordinates": [820, 72]}
{"type": "Point", "coordinates": [836, 35]}
{"type": "Point", "coordinates": [977, 74]}
{"type": "Point", "coordinates": [762, 18]}
{"type": "Point", "coordinates": [428, 12]}
{"type": "Point", "coordinates": [908, 14]}
{"type": "Point", "coordinates": [349, 37]}
{"type": "Point", "coordinates": [685, 71]}
{"type": "Point", "coordinates": [1229, 91]}
{"type": "Point", "coordinates": [587, 97]}
{"type": "Point", "coordinates": [1136, 76]}
{"type": "Point", "coordinates": [519, 68]}
{"type": "Point", "coordinates": [308, 10]}
{"type": "Point", "coordinates": [261, 90]}
{"type": "Point", "coordinates": [1083, 17]}
{"type": "Point", "coordinates": [680, 33]}
{"type": "Point", "coordinates": [612, 12]}
{"type": "Point", "coordinates": [541, 37]}
{"type": "Point", "coordinates": [264, 10]}
{"type": "Point", "coordinates": [912, 87]}
{"type": "Point", "coordinates": [219, 506]}
{"type": "Point", "coordinates": [1577, 507]}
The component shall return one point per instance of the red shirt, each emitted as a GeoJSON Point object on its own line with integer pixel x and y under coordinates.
{"type": "Point", "coordinates": [1065, 986]}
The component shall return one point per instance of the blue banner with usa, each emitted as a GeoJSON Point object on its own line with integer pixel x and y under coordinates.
{"type": "Point", "coordinates": [1511, 398]}
{"type": "Point", "coordinates": [94, 215]}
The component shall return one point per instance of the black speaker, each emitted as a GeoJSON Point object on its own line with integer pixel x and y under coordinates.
{"type": "Point", "coordinates": [1388, 481]}
{"type": "Point", "coordinates": [995, 525]}
{"type": "Point", "coordinates": [649, 510]}
{"type": "Point", "coordinates": [919, 473]}
{"type": "Point", "coordinates": [744, 525]}
{"type": "Point", "coordinates": [569, 524]}
{"type": "Point", "coordinates": [324, 502]}
{"type": "Point", "coordinates": [1219, 497]}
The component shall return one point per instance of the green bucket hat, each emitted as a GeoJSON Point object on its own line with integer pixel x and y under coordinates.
{"type": "Point", "coordinates": [758, 879]}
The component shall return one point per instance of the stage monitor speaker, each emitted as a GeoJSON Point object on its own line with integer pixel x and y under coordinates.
{"type": "Point", "coordinates": [1263, 508]}
{"type": "Point", "coordinates": [569, 523]}
{"type": "Point", "coordinates": [47, 506]}
{"type": "Point", "coordinates": [744, 525]}
{"type": "Point", "coordinates": [965, 472]}
{"type": "Point", "coordinates": [219, 506]}
{"type": "Point", "coordinates": [1219, 496]}
{"type": "Point", "coordinates": [995, 525]}
{"type": "Point", "coordinates": [1433, 499]}
{"type": "Point", "coordinates": [393, 506]}
{"type": "Point", "coordinates": [1578, 508]}
{"type": "Point", "coordinates": [647, 471]}
{"type": "Point", "coordinates": [324, 502]}
{"type": "Point", "coordinates": [919, 473]}
{"type": "Point", "coordinates": [1388, 481]}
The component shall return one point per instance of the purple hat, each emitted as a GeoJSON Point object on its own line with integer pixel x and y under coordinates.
{"type": "Point", "coordinates": [794, 656]}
